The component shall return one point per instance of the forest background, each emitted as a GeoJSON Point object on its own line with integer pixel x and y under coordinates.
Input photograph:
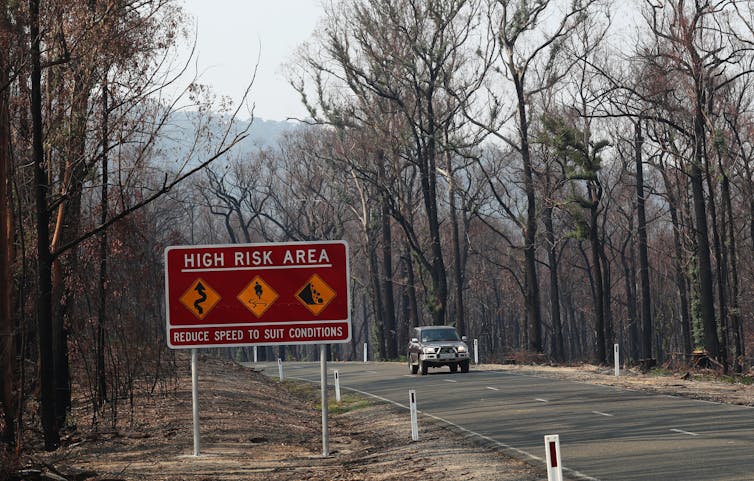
{"type": "Point", "coordinates": [550, 177]}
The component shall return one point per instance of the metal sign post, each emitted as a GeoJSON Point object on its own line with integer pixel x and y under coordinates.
{"type": "Point", "coordinates": [280, 369]}
{"type": "Point", "coordinates": [365, 353]}
{"type": "Point", "coordinates": [476, 351]}
{"type": "Point", "coordinates": [323, 382]}
{"type": "Point", "coordinates": [616, 351]}
{"type": "Point", "coordinates": [195, 399]}
{"type": "Point", "coordinates": [255, 354]}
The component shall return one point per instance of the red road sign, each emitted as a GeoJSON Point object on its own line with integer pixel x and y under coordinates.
{"type": "Point", "coordinates": [257, 294]}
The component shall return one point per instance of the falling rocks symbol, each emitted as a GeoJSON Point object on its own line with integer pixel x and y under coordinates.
{"type": "Point", "coordinates": [310, 296]}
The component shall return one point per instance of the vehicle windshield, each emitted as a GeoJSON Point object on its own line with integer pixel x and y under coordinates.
{"type": "Point", "coordinates": [432, 335]}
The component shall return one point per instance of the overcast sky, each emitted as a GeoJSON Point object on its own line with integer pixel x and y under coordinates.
{"type": "Point", "coordinates": [233, 33]}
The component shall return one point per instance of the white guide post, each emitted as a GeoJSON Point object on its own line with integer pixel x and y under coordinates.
{"type": "Point", "coordinates": [476, 351]}
{"type": "Point", "coordinates": [195, 399]}
{"type": "Point", "coordinates": [414, 421]}
{"type": "Point", "coordinates": [616, 352]}
{"type": "Point", "coordinates": [554, 465]}
{"type": "Point", "coordinates": [323, 382]}
{"type": "Point", "coordinates": [336, 375]}
{"type": "Point", "coordinates": [255, 354]}
{"type": "Point", "coordinates": [280, 369]}
{"type": "Point", "coordinates": [365, 353]}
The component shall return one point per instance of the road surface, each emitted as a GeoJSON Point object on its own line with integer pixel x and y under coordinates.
{"type": "Point", "coordinates": [606, 433]}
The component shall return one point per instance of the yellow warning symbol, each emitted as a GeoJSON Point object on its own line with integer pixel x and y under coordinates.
{"type": "Point", "coordinates": [258, 296]}
{"type": "Point", "coordinates": [315, 294]}
{"type": "Point", "coordinates": [200, 298]}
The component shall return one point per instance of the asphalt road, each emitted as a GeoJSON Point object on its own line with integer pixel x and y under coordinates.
{"type": "Point", "coordinates": [606, 434]}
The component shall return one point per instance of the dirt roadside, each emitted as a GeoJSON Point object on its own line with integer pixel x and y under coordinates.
{"type": "Point", "coordinates": [257, 428]}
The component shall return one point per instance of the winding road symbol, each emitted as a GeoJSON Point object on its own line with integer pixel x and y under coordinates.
{"type": "Point", "coordinates": [202, 297]}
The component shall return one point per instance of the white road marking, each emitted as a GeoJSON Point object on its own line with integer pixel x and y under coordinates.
{"type": "Point", "coordinates": [493, 388]}
{"type": "Point", "coordinates": [602, 414]}
{"type": "Point", "coordinates": [541, 400]}
{"type": "Point", "coordinates": [450, 380]}
{"type": "Point", "coordinates": [681, 431]}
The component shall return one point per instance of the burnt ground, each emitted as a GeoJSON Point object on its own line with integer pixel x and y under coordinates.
{"type": "Point", "coordinates": [256, 428]}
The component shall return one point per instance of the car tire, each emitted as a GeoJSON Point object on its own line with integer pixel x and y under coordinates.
{"type": "Point", "coordinates": [465, 366]}
{"type": "Point", "coordinates": [453, 367]}
{"type": "Point", "coordinates": [424, 368]}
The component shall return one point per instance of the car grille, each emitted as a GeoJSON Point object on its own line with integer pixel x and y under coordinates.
{"type": "Point", "coordinates": [447, 350]}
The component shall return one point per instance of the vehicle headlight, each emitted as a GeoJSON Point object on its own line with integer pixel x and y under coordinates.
{"type": "Point", "coordinates": [428, 350]}
{"type": "Point", "coordinates": [461, 348]}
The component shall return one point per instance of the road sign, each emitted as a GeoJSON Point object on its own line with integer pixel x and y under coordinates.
{"type": "Point", "coordinates": [257, 294]}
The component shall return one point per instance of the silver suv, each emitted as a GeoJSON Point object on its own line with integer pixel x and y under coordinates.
{"type": "Point", "coordinates": [435, 346]}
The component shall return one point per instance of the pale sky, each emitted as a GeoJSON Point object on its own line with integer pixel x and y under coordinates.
{"type": "Point", "coordinates": [233, 33]}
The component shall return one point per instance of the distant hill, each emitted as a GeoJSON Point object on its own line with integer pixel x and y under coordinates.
{"type": "Point", "coordinates": [177, 137]}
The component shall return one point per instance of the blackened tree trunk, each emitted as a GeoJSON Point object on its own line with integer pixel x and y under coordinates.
{"type": "Point", "coordinates": [374, 274]}
{"type": "Point", "coordinates": [646, 301]}
{"type": "Point", "coordinates": [718, 240]}
{"type": "Point", "coordinates": [391, 348]}
{"type": "Point", "coordinates": [8, 380]}
{"type": "Point", "coordinates": [552, 257]}
{"type": "Point", "coordinates": [600, 354]}
{"type": "Point", "coordinates": [679, 261]}
{"type": "Point", "coordinates": [458, 269]}
{"type": "Point", "coordinates": [410, 287]}
{"type": "Point", "coordinates": [531, 296]}
{"type": "Point", "coordinates": [50, 428]}
{"type": "Point", "coordinates": [735, 312]}
{"type": "Point", "coordinates": [104, 206]}
{"type": "Point", "coordinates": [701, 236]}
{"type": "Point", "coordinates": [629, 280]}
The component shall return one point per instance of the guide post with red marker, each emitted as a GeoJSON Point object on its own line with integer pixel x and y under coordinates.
{"type": "Point", "coordinates": [554, 465]}
{"type": "Point", "coordinates": [414, 417]}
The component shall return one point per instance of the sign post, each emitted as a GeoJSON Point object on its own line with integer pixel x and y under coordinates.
{"type": "Point", "coordinates": [239, 295]}
{"type": "Point", "coordinates": [476, 351]}
{"type": "Point", "coordinates": [616, 352]}
{"type": "Point", "coordinates": [323, 386]}
{"type": "Point", "coordinates": [195, 399]}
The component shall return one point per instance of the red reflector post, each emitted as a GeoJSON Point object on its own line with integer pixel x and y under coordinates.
{"type": "Point", "coordinates": [553, 455]}
{"type": "Point", "coordinates": [552, 450]}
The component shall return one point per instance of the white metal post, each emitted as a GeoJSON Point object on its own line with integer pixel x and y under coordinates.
{"type": "Point", "coordinates": [616, 352]}
{"type": "Point", "coordinates": [280, 369]}
{"type": "Point", "coordinates": [255, 354]}
{"type": "Point", "coordinates": [336, 375]}
{"type": "Point", "coordinates": [414, 421]}
{"type": "Point", "coordinates": [195, 399]}
{"type": "Point", "coordinates": [365, 353]}
{"type": "Point", "coordinates": [476, 351]}
{"type": "Point", "coordinates": [323, 382]}
{"type": "Point", "coordinates": [554, 465]}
